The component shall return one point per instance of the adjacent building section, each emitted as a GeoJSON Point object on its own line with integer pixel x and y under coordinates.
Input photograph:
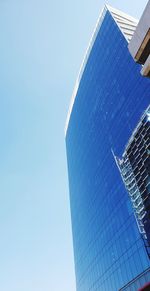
{"type": "Point", "coordinates": [139, 45]}
{"type": "Point", "coordinates": [135, 171]}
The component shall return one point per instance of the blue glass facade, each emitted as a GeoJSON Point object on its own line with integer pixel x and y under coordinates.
{"type": "Point", "coordinates": [111, 97]}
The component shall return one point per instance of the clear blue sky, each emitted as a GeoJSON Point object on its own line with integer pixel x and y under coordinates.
{"type": "Point", "coordinates": [42, 43]}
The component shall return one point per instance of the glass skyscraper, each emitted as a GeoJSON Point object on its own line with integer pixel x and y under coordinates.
{"type": "Point", "coordinates": [108, 151]}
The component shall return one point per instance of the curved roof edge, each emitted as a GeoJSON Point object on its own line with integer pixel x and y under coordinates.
{"type": "Point", "coordinates": [83, 64]}
{"type": "Point", "coordinates": [113, 12]}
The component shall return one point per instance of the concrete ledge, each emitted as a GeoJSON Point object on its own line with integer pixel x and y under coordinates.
{"type": "Point", "coordinates": [141, 35]}
{"type": "Point", "coordinates": [146, 68]}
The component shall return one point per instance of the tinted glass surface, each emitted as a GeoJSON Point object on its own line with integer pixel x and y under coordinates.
{"type": "Point", "coordinates": [111, 98]}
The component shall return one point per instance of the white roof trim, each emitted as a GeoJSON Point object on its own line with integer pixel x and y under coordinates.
{"type": "Point", "coordinates": [121, 14]}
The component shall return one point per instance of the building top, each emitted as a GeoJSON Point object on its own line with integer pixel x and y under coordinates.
{"type": "Point", "coordinates": [126, 24]}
